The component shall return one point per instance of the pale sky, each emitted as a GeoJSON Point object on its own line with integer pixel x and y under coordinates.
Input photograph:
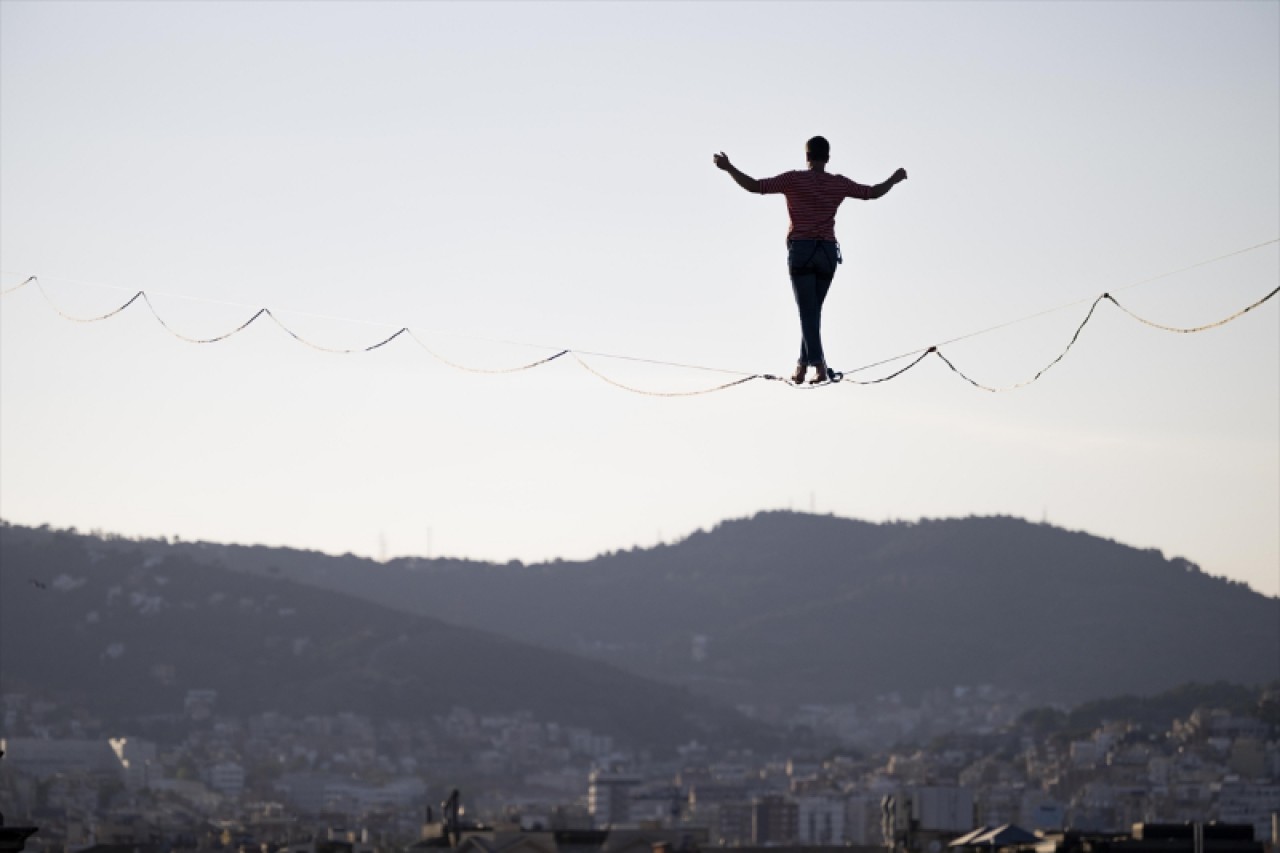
{"type": "Point", "coordinates": [541, 173]}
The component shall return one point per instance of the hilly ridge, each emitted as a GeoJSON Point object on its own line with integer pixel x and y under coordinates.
{"type": "Point", "coordinates": [781, 607]}
{"type": "Point", "coordinates": [807, 608]}
{"type": "Point", "coordinates": [126, 628]}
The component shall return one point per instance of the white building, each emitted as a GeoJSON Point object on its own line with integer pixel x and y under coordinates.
{"type": "Point", "coordinates": [227, 778]}
{"type": "Point", "coordinates": [802, 771]}
{"type": "Point", "coordinates": [863, 820]}
{"type": "Point", "coordinates": [609, 798]}
{"type": "Point", "coordinates": [317, 792]}
{"type": "Point", "coordinates": [586, 742]}
{"type": "Point", "coordinates": [820, 820]}
{"type": "Point", "coordinates": [191, 791]}
{"type": "Point", "coordinates": [941, 808]}
{"type": "Point", "coordinates": [403, 791]}
{"type": "Point", "coordinates": [199, 703]}
{"type": "Point", "coordinates": [42, 757]}
{"type": "Point", "coordinates": [1251, 803]}
{"type": "Point", "coordinates": [138, 762]}
{"type": "Point", "coordinates": [1040, 811]}
{"type": "Point", "coordinates": [1086, 753]}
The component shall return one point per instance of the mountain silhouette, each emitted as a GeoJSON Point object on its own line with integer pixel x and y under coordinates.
{"type": "Point", "coordinates": [126, 628]}
{"type": "Point", "coordinates": [806, 608]}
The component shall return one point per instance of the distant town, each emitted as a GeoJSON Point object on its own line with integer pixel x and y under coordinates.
{"type": "Point", "coordinates": [965, 759]}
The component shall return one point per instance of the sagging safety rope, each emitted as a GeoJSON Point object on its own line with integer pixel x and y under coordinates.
{"type": "Point", "coordinates": [743, 377]}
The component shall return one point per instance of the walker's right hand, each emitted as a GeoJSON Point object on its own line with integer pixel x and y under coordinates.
{"type": "Point", "coordinates": [899, 176]}
{"type": "Point", "coordinates": [722, 161]}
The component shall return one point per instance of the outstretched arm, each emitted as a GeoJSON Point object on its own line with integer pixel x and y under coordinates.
{"type": "Point", "coordinates": [747, 182]}
{"type": "Point", "coordinates": [880, 189]}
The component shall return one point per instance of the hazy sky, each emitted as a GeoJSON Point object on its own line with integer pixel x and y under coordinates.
{"type": "Point", "coordinates": [541, 173]}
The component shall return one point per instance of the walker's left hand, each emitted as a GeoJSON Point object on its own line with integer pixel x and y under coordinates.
{"type": "Point", "coordinates": [899, 176]}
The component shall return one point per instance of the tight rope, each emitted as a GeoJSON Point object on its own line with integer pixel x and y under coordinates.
{"type": "Point", "coordinates": [742, 376]}
{"type": "Point", "coordinates": [634, 390]}
{"type": "Point", "coordinates": [438, 357]}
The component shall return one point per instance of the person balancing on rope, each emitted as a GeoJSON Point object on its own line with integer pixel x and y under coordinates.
{"type": "Point", "coordinates": [812, 251]}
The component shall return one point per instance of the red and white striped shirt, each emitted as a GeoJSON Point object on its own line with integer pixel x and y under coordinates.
{"type": "Point", "coordinates": [812, 199]}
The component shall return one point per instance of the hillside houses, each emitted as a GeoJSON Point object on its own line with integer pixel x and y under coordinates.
{"type": "Point", "coordinates": [219, 775]}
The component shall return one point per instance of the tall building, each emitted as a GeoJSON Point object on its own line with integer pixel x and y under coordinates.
{"type": "Point", "coordinates": [820, 820]}
{"type": "Point", "coordinates": [609, 798]}
{"type": "Point", "coordinates": [863, 821]}
{"type": "Point", "coordinates": [774, 820]}
{"type": "Point", "coordinates": [732, 824]}
{"type": "Point", "coordinates": [940, 807]}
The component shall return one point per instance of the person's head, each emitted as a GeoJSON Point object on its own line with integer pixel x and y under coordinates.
{"type": "Point", "coordinates": [817, 150]}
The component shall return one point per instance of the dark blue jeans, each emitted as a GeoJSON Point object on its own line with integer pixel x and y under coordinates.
{"type": "Point", "coordinates": [812, 264]}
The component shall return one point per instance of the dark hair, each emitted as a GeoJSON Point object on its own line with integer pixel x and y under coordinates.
{"type": "Point", "coordinates": [817, 150]}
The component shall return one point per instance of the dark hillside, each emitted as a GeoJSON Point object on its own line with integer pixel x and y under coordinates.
{"type": "Point", "coordinates": [817, 608]}
{"type": "Point", "coordinates": [127, 628]}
